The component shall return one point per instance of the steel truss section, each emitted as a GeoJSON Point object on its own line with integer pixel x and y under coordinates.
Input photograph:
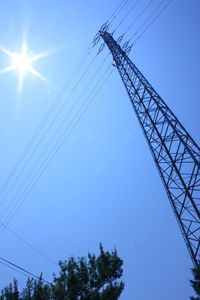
{"type": "Point", "coordinates": [175, 153]}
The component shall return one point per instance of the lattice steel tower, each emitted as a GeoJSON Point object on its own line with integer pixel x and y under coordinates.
{"type": "Point", "coordinates": [175, 153]}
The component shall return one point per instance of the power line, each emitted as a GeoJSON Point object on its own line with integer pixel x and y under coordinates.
{"type": "Point", "coordinates": [32, 151]}
{"type": "Point", "coordinates": [150, 16]}
{"type": "Point", "coordinates": [117, 11]}
{"type": "Point", "coordinates": [110, 20]}
{"type": "Point", "coordinates": [45, 119]}
{"type": "Point", "coordinates": [41, 126]}
{"type": "Point", "coordinates": [139, 15]}
{"type": "Point", "coordinates": [29, 146]}
{"type": "Point", "coordinates": [16, 270]}
{"type": "Point", "coordinates": [54, 136]}
{"type": "Point", "coordinates": [51, 109]}
{"type": "Point", "coordinates": [151, 23]}
{"type": "Point", "coordinates": [31, 142]}
{"type": "Point", "coordinates": [51, 155]}
{"type": "Point", "coordinates": [48, 114]}
{"type": "Point", "coordinates": [57, 101]}
{"type": "Point", "coordinates": [126, 15]}
{"type": "Point", "coordinates": [12, 265]}
{"type": "Point", "coordinates": [28, 244]}
{"type": "Point", "coordinates": [146, 20]}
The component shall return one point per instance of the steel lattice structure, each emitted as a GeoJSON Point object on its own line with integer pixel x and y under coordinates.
{"type": "Point", "coordinates": [175, 153]}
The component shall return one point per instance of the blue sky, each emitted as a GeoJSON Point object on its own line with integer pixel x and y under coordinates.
{"type": "Point", "coordinates": [102, 185]}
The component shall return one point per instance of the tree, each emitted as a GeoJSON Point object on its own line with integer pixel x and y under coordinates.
{"type": "Point", "coordinates": [196, 282]}
{"type": "Point", "coordinates": [10, 292]}
{"type": "Point", "coordinates": [41, 291]}
{"type": "Point", "coordinates": [28, 290]}
{"type": "Point", "coordinates": [86, 278]}
{"type": "Point", "coordinates": [94, 278]}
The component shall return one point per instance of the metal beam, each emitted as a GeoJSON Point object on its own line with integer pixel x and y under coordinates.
{"type": "Point", "coordinates": [175, 153]}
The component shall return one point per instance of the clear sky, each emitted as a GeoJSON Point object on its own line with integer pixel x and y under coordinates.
{"type": "Point", "coordinates": [102, 185]}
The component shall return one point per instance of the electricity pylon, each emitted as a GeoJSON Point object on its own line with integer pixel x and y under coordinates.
{"type": "Point", "coordinates": [175, 153]}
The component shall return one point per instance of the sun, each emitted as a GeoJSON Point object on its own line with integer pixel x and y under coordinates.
{"type": "Point", "coordinates": [22, 62]}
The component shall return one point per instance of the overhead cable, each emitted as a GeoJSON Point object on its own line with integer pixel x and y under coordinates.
{"type": "Point", "coordinates": [46, 117]}
{"type": "Point", "coordinates": [126, 15]}
{"type": "Point", "coordinates": [16, 267]}
{"type": "Point", "coordinates": [57, 147]}
{"type": "Point", "coordinates": [151, 23]}
{"type": "Point", "coordinates": [117, 11]}
{"type": "Point", "coordinates": [56, 102]}
{"type": "Point", "coordinates": [139, 15]}
{"type": "Point", "coordinates": [17, 193]}
{"type": "Point", "coordinates": [32, 151]}
{"type": "Point", "coordinates": [28, 244]}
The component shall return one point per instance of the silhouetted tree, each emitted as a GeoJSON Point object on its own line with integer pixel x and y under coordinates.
{"type": "Point", "coordinates": [28, 290]}
{"type": "Point", "coordinates": [10, 292]}
{"type": "Point", "coordinates": [196, 282]}
{"type": "Point", "coordinates": [86, 278]}
{"type": "Point", "coordinates": [41, 291]}
{"type": "Point", "coordinates": [94, 278]}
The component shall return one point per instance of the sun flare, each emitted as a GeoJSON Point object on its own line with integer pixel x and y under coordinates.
{"type": "Point", "coordinates": [22, 62]}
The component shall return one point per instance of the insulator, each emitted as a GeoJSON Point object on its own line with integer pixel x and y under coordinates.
{"type": "Point", "coordinates": [96, 39]}
{"type": "Point", "coordinates": [125, 46]}
{"type": "Point", "coordinates": [120, 38]}
{"type": "Point", "coordinates": [104, 27]}
{"type": "Point", "coordinates": [129, 49]}
{"type": "Point", "coordinates": [101, 48]}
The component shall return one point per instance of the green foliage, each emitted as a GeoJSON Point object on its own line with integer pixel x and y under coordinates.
{"type": "Point", "coordinates": [10, 292]}
{"type": "Point", "coordinates": [91, 278]}
{"type": "Point", "coordinates": [196, 282]}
